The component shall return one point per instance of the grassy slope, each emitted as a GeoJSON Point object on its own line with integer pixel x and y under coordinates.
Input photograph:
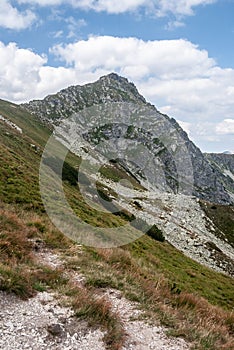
{"type": "Point", "coordinates": [157, 275]}
{"type": "Point", "coordinates": [223, 218]}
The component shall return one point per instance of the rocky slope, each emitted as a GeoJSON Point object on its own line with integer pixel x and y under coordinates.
{"type": "Point", "coordinates": [170, 161]}
{"type": "Point", "coordinates": [224, 163]}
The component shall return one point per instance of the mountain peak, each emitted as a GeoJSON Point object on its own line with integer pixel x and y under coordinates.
{"type": "Point", "coordinates": [113, 76]}
{"type": "Point", "coordinates": [109, 88]}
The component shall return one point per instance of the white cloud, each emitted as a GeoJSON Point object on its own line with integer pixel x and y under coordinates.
{"type": "Point", "coordinates": [25, 75]}
{"type": "Point", "coordinates": [111, 6]}
{"type": "Point", "coordinates": [153, 7]}
{"type": "Point", "coordinates": [43, 2]}
{"type": "Point", "coordinates": [165, 59]}
{"type": "Point", "coordinates": [179, 7]}
{"type": "Point", "coordinates": [171, 25]}
{"type": "Point", "coordinates": [226, 127]}
{"type": "Point", "coordinates": [12, 18]}
{"type": "Point", "coordinates": [57, 34]}
{"type": "Point", "coordinates": [19, 71]}
{"type": "Point", "coordinates": [74, 25]}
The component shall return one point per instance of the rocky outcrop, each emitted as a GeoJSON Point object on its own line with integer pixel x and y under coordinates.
{"type": "Point", "coordinates": [73, 99]}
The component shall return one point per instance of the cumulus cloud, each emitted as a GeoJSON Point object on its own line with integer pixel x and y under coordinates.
{"type": "Point", "coordinates": [153, 7]}
{"type": "Point", "coordinates": [226, 127]}
{"type": "Point", "coordinates": [166, 59]}
{"type": "Point", "coordinates": [179, 7]}
{"type": "Point", "coordinates": [12, 18]}
{"type": "Point", "coordinates": [110, 6]}
{"type": "Point", "coordinates": [25, 75]}
{"type": "Point", "coordinates": [19, 71]}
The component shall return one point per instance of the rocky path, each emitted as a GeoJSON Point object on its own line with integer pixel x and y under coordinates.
{"type": "Point", "coordinates": [42, 322]}
{"type": "Point", "coordinates": [141, 334]}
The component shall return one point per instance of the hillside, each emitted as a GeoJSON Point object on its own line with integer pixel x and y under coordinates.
{"type": "Point", "coordinates": [191, 300]}
{"type": "Point", "coordinates": [129, 135]}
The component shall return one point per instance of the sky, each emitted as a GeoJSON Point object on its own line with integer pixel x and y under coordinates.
{"type": "Point", "coordinates": [178, 53]}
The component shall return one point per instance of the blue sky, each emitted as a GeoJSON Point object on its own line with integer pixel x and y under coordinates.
{"type": "Point", "coordinates": [179, 54]}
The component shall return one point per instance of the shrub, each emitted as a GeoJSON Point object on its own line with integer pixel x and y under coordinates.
{"type": "Point", "coordinates": [155, 233]}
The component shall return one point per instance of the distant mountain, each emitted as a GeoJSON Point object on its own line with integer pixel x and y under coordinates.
{"type": "Point", "coordinates": [227, 152]}
{"type": "Point", "coordinates": [209, 181]}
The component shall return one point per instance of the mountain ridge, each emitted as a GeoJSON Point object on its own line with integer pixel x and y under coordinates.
{"type": "Point", "coordinates": [67, 101]}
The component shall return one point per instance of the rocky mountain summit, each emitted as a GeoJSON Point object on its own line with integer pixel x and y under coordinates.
{"type": "Point", "coordinates": [110, 88]}
{"type": "Point", "coordinates": [174, 164]}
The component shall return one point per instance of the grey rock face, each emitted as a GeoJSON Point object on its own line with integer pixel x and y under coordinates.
{"type": "Point", "coordinates": [224, 161]}
{"type": "Point", "coordinates": [224, 165]}
{"type": "Point", "coordinates": [209, 182]}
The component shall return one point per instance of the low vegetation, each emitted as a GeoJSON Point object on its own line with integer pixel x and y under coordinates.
{"type": "Point", "coordinates": [223, 218]}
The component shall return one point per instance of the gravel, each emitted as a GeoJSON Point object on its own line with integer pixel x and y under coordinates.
{"type": "Point", "coordinates": [41, 323]}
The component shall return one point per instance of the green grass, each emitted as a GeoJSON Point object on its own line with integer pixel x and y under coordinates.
{"type": "Point", "coordinates": [116, 173]}
{"type": "Point", "coordinates": [19, 175]}
{"type": "Point", "coordinates": [187, 274]}
{"type": "Point", "coordinates": [167, 285]}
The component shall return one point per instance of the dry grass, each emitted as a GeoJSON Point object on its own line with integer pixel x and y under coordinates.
{"type": "Point", "coordinates": [138, 276]}
{"type": "Point", "coordinates": [185, 314]}
{"type": "Point", "coordinates": [19, 272]}
{"type": "Point", "coordinates": [14, 244]}
{"type": "Point", "coordinates": [98, 313]}
{"type": "Point", "coordinates": [212, 323]}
